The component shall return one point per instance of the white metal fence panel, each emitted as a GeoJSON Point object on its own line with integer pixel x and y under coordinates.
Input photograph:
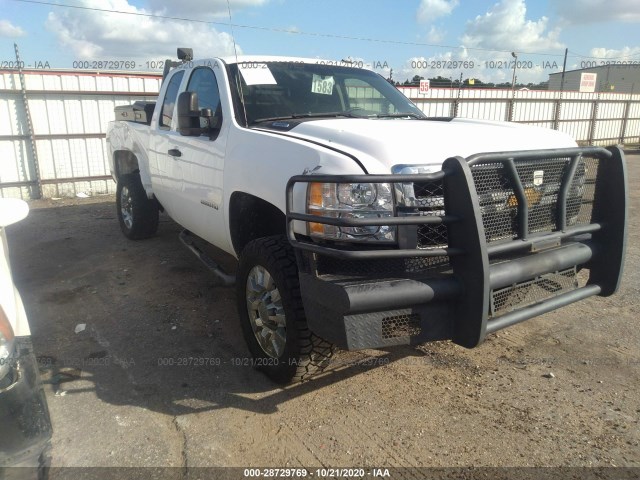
{"type": "Point", "coordinates": [634, 110]}
{"type": "Point", "coordinates": [70, 111]}
{"type": "Point", "coordinates": [611, 110]}
{"type": "Point", "coordinates": [436, 109]}
{"type": "Point", "coordinates": [576, 110]}
{"type": "Point", "coordinates": [634, 126]}
{"type": "Point", "coordinates": [534, 111]}
{"type": "Point", "coordinates": [483, 110]}
{"type": "Point", "coordinates": [590, 118]}
{"type": "Point", "coordinates": [576, 129]}
{"type": "Point", "coordinates": [11, 117]}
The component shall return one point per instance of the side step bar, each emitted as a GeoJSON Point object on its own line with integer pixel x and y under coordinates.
{"type": "Point", "coordinates": [187, 239]}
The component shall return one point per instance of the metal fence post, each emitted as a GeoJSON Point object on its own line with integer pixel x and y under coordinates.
{"type": "Point", "coordinates": [625, 120]}
{"type": "Point", "coordinates": [557, 112]}
{"type": "Point", "coordinates": [594, 118]}
{"type": "Point", "coordinates": [36, 192]}
{"type": "Point", "coordinates": [625, 116]}
{"type": "Point", "coordinates": [456, 103]}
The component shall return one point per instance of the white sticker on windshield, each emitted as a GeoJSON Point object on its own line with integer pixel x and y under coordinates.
{"type": "Point", "coordinates": [256, 73]}
{"type": "Point", "coordinates": [323, 85]}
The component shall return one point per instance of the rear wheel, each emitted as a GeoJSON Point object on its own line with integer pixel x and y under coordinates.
{"type": "Point", "coordinates": [273, 320]}
{"type": "Point", "coordinates": [137, 214]}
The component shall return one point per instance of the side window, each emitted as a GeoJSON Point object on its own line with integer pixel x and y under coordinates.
{"type": "Point", "coordinates": [170, 100]}
{"type": "Point", "coordinates": [203, 82]}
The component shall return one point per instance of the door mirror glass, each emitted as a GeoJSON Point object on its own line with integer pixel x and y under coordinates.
{"type": "Point", "coordinates": [189, 114]}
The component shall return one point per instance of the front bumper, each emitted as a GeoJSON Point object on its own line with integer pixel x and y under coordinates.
{"type": "Point", "coordinates": [482, 279]}
{"type": "Point", "coordinates": [25, 431]}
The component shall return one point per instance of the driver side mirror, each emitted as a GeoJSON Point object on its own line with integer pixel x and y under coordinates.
{"type": "Point", "coordinates": [189, 115]}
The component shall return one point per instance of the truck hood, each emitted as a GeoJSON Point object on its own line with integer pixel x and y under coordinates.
{"type": "Point", "coordinates": [380, 144]}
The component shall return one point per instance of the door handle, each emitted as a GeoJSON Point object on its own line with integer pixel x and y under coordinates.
{"type": "Point", "coordinates": [174, 152]}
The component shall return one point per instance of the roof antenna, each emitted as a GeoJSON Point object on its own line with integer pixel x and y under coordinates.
{"type": "Point", "coordinates": [238, 80]}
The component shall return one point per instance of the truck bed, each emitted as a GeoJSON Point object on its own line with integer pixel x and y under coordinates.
{"type": "Point", "coordinates": [140, 112]}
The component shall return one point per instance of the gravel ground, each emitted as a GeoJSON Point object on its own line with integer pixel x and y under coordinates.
{"type": "Point", "coordinates": [559, 390]}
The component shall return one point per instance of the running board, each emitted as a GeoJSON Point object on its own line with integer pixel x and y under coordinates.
{"type": "Point", "coordinates": [187, 239]}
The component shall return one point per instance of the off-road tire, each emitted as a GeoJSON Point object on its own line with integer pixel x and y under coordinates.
{"type": "Point", "coordinates": [305, 354]}
{"type": "Point", "coordinates": [144, 212]}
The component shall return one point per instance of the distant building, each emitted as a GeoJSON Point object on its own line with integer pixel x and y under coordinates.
{"type": "Point", "coordinates": [617, 78]}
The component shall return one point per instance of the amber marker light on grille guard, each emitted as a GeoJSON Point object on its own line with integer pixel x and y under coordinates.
{"type": "Point", "coordinates": [351, 200]}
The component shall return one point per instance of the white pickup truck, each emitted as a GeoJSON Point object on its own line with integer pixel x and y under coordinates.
{"type": "Point", "coordinates": [357, 221]}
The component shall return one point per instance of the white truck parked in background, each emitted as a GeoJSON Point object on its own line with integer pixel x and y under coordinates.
{"type": "Point", "coordinates": [357, 221]}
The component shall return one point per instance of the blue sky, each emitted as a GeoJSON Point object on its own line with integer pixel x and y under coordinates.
{"type": "Point", "coordinates": [427, 37]}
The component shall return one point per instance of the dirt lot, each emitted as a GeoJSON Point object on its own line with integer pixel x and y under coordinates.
{"type": "Point", "coordinates": [121, 395]}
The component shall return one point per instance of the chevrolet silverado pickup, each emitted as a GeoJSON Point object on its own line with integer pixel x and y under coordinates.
{"type": "Point", "coordinates": [357, 221]}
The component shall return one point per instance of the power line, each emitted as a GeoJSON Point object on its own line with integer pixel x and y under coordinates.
{"type": "Point", "coordinates": [282, 30]}
{"type": "Point", "coordinates": [313, 34]}
{"type": "Point", "coordinates": [575, 54]}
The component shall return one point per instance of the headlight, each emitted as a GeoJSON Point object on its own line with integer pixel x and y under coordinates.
{"type": "Point", "coordinates": [357, 195]}
{"type": "Point", "coordinates": [351, 200]}
{"type": "Point", "coordinates": [6, 344]}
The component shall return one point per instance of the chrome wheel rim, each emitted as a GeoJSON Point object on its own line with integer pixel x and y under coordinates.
{"type": "Point", "coordinates": [126, 207]}
{"type": "Point", "coordinates": [266, 313]}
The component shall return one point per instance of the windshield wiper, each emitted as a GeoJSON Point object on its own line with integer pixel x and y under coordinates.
{"type": "Point", "coordinates": [399, 115]}
{"type": "Point", "coordinates": [294, 116]}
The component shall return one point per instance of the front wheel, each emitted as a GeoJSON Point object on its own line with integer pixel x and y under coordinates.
{"type": "Point", "coordinates": [272, 316]}
{"type": "Point", "coordinates": [137, 214]}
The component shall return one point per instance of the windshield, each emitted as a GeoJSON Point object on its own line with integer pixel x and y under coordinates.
{"type": "Point", "coordinates": [281, 90]}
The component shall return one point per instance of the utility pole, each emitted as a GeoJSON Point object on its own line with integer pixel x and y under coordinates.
{"type": "Point", "coordinates": [513, 88]}
{"type": "Point", "coordinates": [564, 68]}
{"type": "Point", "coordinates": [556, 115]}
{"type": "Point", "coordinates": [515, 64]}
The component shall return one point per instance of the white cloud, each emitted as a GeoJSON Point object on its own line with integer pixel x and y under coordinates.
{"type": "Point", "coordinates": [601, 56]}
{"type": "Point", "coordinates": [205, 9]}
{"type": "Point", "coordinates": [435, 35]}
{"type": "Point", "coordinates": [7, 29]}
{"type": "Point", "coordinates": [485, 66]}
{"type": "Point", "coordinates": [621, 54]}
{"type": "Point", "coordinates": [486, 45]}
{"type": "Point", "coordinates": [597, 11]}
{"type": "Point", "coordinates": [429, 10]}
{"type": "Point", "coordinates": [98, 35]}
{"type": "Point", "coordinates": [505, 27]}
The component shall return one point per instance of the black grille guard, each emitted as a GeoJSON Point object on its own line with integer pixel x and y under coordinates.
{"type": "Point", "coordinates": [599, 244]}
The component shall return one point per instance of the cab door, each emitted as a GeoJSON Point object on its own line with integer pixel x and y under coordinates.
{"type": "Point", "coordinates": [166, 172]}
{"type": "Point", "coordinates": [201, 159]}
